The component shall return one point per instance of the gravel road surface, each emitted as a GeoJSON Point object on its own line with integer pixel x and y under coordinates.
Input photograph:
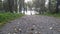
{"type": "Point", "coordinates": [33, 24]}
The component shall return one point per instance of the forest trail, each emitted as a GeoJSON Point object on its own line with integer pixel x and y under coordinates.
{"type": "Point", "coordinates": [33, 24]}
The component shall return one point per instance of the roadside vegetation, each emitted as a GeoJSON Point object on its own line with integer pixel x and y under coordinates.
{"type": "Point", "coordinates": [57, 15]}
{"type": "Point", "coordinates": [6, 17]}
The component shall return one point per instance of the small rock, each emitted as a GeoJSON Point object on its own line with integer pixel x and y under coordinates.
{"type": "Point", "coordinates": [51, 28]}
{"type": "Point", "coordinates": [19, 29]}
{"type": "Point", "coordinates": [16, 30]}
{"type": "Point", "coordinates": [39, 33]}
{"type": "Point", "coordinates": [32, 29]}
{"type": "Point", "coordinates": [9, 33]}
{"type": "Point", "coordinates": [14, 33]}
{"type": "Point", "coordinates": [33, 25]}
{"type": "Point", "coordinates": [36, 32]}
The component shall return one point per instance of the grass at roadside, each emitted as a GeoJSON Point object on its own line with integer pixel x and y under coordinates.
{"type": "Point", "coordinates": [57, 15]}
{"type": "Point", "coordinates": [6, 17]}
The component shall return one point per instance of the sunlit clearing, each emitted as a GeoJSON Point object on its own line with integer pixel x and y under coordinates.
{"type": "Point", "coordinates": [30, 12]}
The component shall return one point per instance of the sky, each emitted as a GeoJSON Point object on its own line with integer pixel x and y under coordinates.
{"type": "Point", "coordinates": [27, 0]}
{"type": "Point", "coordinates": [46, 2]}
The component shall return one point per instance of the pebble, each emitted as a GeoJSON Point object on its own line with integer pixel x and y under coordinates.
{"type": "Point", "coordinates": [51, 28]}
{"type": "Point", "coordinates": [9, 33]}
{"type": "Point", "coordinates": [36, 32]}
{"type": "Point", "coordinates": [34, 26]}
{"type": "Point", "coordinates": [19, 29]}
{"type": "Point", "coordinates": [14, 33]}
{"type": "Point", "coordinates": [16, 30]}
{"type": "Point", "coordinates": [39, 33]}
{"type": "Point", "coordinates": [32, 29]}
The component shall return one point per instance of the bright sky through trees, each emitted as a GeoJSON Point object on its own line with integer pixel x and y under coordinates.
{"type": "Point", "coordinates": [31, 0]}
{"type": "Point", "coordinates": [27, 0]}
{"type": "Point", "coordinates": [47, 1]}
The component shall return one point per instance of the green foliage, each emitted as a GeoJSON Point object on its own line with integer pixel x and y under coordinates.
{"type": "Point", "coordinates": [6, 17]}
{"type": "Point", "coordinates": [53, 15]}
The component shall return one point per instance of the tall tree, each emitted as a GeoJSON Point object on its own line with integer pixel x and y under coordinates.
{"type": "Point", "coordinates": [40, 4]}
{"type": "Point", "coordinates": [58, 6]}
{"type": "Point", "coordinates": [12, 5]}
{"type": "Point", "coordinates": [0, 4]}
{"type": "Point", "coordinates": [52, 6]}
